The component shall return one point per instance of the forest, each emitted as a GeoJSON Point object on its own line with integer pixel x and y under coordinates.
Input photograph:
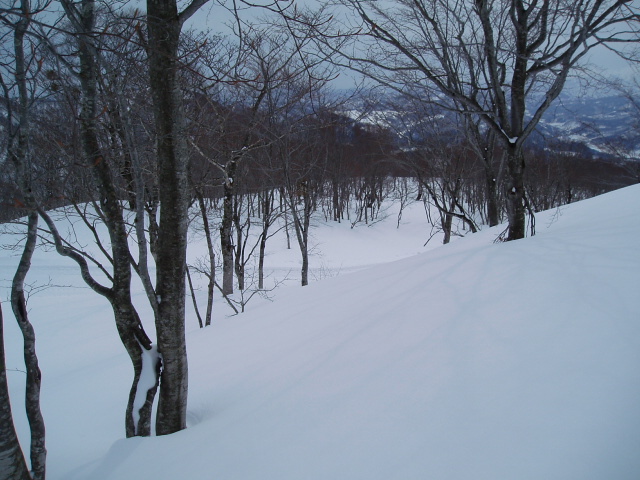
{"type": "Point", "coordinates": [145, 128]}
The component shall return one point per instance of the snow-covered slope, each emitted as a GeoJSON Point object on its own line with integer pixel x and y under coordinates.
{"type": "Point", "coordinates": [598, 123]}
{"type": "Point", "coordinates": [471, 361]}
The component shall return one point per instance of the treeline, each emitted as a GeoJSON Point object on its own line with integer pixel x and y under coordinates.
{"type": "Point", "coordinates": [267, 138]}
{"type": "Point", "coordinates": [314, 147]}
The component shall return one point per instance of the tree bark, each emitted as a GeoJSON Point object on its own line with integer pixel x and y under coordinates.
{"type": "Point", "coordinates": [212, 262]}
{"type": "Point", "coordinates": [484, 143]}
{"type": "Point", "coordinates": [266, 205]}
{"type": "Point", "coordinates": [493, 210]}
{"type": "Point", "coordinates": [514, 194]}
{"type": "Point", "coordinates": [301, 224]}
{"type": "Point", "coordinates": [19, 153]}
{"type": "Point", "coordinates": [447, 224]}
{"type": "Point", "coordinates": [335, 201]}
{"type": "Point", "coordinates": [38, 452]}
{"type": "Point", "coordinates": [226, 239]}
{"type": "Point", "coordinates": [164, 26]}
{"type": "Point", "coordinates": [239, 260]}
{"type": "Point", "coordinates": [12, 463]}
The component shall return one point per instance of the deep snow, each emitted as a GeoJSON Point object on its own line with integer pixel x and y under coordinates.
{"type": "Point", "coordinates": [475, 361]}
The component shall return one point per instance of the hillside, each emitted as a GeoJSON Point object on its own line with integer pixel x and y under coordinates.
{"type": "Point", "coordinates": [474, 360]}
{"type": "Point", "coordinates": [599, 124]}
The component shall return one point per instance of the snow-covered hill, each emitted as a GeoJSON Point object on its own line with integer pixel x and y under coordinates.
{"type": "Point", "coordinates": [603, 125]}
{"type": "Point", "coordinates": [474, 360]}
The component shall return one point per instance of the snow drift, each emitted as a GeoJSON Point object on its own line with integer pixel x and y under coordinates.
{"type": "Point", "coordinates": [475, 360]}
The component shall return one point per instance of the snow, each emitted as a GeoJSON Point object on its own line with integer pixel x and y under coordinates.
{"type": "Point", "coordinates": [477, 360]}
{"type": "Point", "coordinates": [147, 379]}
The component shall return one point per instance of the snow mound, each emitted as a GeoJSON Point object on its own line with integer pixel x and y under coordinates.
{"type": "Point", "coordinates": [476, 361]}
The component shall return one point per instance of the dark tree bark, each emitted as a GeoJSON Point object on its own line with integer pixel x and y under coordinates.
{"type": "Point", "coordinates": [514, 192]}
{"type": "Point", "coordinates": [212, 263]}
{"type": "Point", "coordinates": [164, 25]}
{"type": "Point", "coordinates": [484, 145]}
{"type": "Point", "coordinates": [164, 34]}
{"type": "Point", "coordinates": [447, 224]}
{"type": "Point", "coordinates": [137, 192]}
{"type": "Point", "coordinates": [226, 238]}
{"type": "Point", "coordinates": [18, 152]}
{"type": "Point", "coordinates": [301, 222]}
{"type": "Point", "coordinates": [238, 222]}
{"type": "Point", "coordinates": [493, 206]}
{"type": "Point", "coordinates": [38, 452]}
{"type": "Point", "coordinates": [12, 463]}
{"type": "Point", "coordinates": [268, 217]}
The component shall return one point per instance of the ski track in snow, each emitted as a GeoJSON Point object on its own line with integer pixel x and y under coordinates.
{"type": "Point", "coordinates": [471, 361]}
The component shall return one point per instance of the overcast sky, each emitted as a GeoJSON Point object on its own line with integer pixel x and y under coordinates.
{"type": "Point", "coordinates": [216, 18]}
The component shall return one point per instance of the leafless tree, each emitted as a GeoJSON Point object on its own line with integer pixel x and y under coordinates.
{"type": "Point", "coordinates": [12, 463]}
{"type": "Point", "coordinates": [164, 23]}
{"type": "Point", "coordinates": [25, 67]}
{"type": "Point", "coordinates": [82, 20]}
{"type": "Point", "coordinates": [251, 102]}
{"type": "Point", "coordinates": [501, 61]}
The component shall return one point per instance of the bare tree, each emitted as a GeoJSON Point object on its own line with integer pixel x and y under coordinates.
{"type": "Point", "coordinates": [165, 23]}
{"type": "Point", "coordinates": [302, 165]}
{"type": "Point", "coordinates": [19, 152]}
{"type": "Point", "coordinates": [210, 270]}
{"type": "Point", "coordinates": [82, 19]}
{"type": "Point", "coordinates": [251, 102]}
{"type": "Point", "coordinates": [269, 213]}
{"type": "Point", "coordinates": [12, 463]}
{"type": "Point", "coordinates": [502, 61]}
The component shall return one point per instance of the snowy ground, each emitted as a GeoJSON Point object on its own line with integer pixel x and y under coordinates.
{"type": "Point", "coordinates": [469, 361]}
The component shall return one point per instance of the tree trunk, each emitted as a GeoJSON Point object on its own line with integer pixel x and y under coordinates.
{"type": "Point", "coordinates": [491, 178]}
{"type": "Point", "coordinates": [335, 201]}
{"type": "Point", "coordinates": [12, 463]}
{"type": "Point", "coordinates": [164, 32]}
{"type": "Point", "coordinates": [447, 223]}
{"type": "Point", "coordinates": [128, 324]}
{"type": "Point", "coordinates": [38, 452]}
{"type": "Point", "coordinates": [301, 224]}
{"type": "Point", "coordinates": [283, 209]}
{"type": "Point", "coordinates": [212, 263]}
{"type": "Point", "coordinates": [304, 271]}
{"type": "Point", "coordinates": [138, 346]}
{"type": "Point", "coordinates": [263, 246]}
{"type": "Point", "coordinates": [226, 239]}
{"type": "Point", "coordinates": [493, 211]}
{"type": "Point", "coordinates": [267, 214]}
{"type": "Point", "coordinates": [19, 153]}
{"type": "Point", "coordinates": [514, 193]}
{"type": "Point", "coordinates": [239, 247]}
